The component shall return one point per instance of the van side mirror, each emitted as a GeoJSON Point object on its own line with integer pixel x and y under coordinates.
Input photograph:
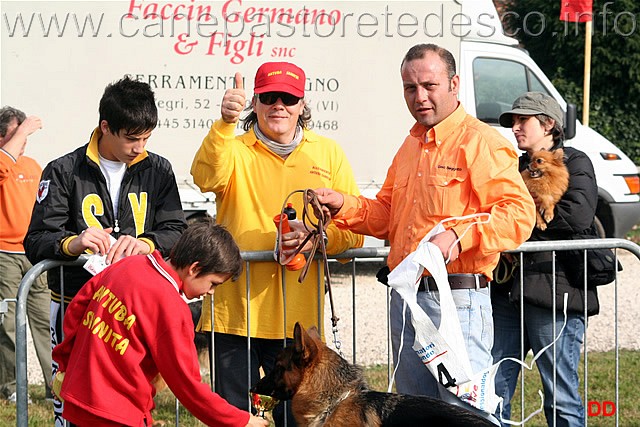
{"type": "Point", "coordinates": [570, 122]}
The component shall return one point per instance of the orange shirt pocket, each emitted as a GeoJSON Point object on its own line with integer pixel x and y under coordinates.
{"type": "Point", "coordinates": [448, 193]}
{"type": "Point", "coordinates": [399, 195]}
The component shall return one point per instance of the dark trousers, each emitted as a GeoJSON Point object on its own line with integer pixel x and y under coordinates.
{"type": "Point", "coordinates": [232, 366]}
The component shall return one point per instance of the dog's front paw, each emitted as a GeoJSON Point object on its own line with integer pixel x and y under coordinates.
{"type": "Point", "coordinates": [540, 222]}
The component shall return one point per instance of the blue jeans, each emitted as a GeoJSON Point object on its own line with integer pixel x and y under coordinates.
{"type": "Point", "coordinates": [538, 333]}
{"type": "Point", "coordinates": [474, 312]}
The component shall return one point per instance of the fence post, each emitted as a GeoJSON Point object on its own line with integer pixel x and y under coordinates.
{"type": "Point", "coordinates": [22, 392]}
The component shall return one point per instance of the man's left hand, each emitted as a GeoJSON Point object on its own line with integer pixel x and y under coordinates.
{"type": "Point", "coordinates": [444, 241]}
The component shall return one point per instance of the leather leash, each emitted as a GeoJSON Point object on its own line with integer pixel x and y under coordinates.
{"type": "Point", "coordinates": [315, 222]}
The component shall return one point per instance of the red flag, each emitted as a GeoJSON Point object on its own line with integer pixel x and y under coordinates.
{"type": "Point", "coordinates": [576, 10]}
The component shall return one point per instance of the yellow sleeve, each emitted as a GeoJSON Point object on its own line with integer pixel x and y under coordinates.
{"type": "Point", "coordinates": [212, 165]}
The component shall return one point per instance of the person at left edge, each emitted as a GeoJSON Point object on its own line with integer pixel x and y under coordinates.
{"type": "Point", "coordinates": [19, 175]}
{"type": "Point", "coordinates": [111, 187]}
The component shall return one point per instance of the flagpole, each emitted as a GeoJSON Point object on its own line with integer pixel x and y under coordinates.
{"type": "Point", "coordinates": [587, 73]}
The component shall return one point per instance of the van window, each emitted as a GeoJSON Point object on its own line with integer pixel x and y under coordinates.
{"type": "Point", "coordinates": [498, 82]}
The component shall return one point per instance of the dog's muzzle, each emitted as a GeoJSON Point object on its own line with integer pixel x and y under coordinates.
{"type": "Point", "coordinates": [534, 173]}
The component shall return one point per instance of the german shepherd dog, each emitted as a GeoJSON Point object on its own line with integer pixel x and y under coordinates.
{"type": "Point", "coordinates": [547, 176]}
{"type": "Point", "coordinates": [325, 390]}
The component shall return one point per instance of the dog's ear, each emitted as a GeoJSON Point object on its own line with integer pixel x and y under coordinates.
{"type": "Point", "coordinates": [298, 330]}
{"type": "Point", "coordinates": [559, 154]}
{"type": "Point", "coordinates": [299, 338]}
{"type": "Point", "coordinates": [313, 332]}
{"type": "Point", "coordinates": [304, 345]}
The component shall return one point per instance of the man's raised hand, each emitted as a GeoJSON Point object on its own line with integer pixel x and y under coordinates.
{"type": "Point", "coordinates": [234, 101]}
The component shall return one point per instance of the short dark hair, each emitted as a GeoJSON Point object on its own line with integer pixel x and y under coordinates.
{"type": "Point", "coordinates": [211, 246]}
{"type": "Point", "coordinates": [7, 114]}
{"type": "Point", "coordinates": [557, 132]}
{"type": "Point", "coordinates": [418, 51]}
{"type": "Point", "coordinates": [252, 118]}
{"type": "Point", "coordinates": [129, 105]}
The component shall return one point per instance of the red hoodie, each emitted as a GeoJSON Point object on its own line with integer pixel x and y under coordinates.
{"type": "Point", "coordinates": [123, 327]}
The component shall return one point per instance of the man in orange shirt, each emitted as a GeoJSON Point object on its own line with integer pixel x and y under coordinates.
{"type": "Point", "coordinates": [450, 165]}
{"type": "Point", "coordinates": [19, 178]}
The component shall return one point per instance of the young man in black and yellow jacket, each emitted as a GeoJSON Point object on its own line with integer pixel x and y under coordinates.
{"type": "Point", "coordinates": [110, 196]}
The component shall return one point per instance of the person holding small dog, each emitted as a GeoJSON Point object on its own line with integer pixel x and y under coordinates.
{"type": "Point", "coordinates": [537, 123]}
{"type": "Point", "coordinates": [130, 323]}
{"type": "Point", "coordinates": [450, 165]}
{"type": "Point", "coordinates": [251, 175]}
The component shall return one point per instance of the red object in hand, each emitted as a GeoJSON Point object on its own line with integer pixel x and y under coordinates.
{"type": "Point", "coordinates": [298, 261]}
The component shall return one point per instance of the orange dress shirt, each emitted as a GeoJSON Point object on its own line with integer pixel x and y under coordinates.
{"type": "Point", "coordinates": [459, 167]}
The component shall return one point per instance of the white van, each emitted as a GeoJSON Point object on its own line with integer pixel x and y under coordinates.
{"type": "Point", "coordinates": [57, 56]}
{"type": "Point", "coordinates": [493, 73]}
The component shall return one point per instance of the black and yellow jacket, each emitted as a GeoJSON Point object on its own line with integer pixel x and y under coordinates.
{"type": "Point", "coordinates": [73, 195]}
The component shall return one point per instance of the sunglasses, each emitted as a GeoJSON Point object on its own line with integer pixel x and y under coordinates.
{"type": "Point", "coordinates": [270, 98]}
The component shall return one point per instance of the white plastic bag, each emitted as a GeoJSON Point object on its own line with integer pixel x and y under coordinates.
{"type": "Point", "coordinates": [442, 350]}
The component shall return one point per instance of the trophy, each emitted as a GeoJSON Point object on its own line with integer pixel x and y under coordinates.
{"type": "Point", "coordinates": [263, 403]}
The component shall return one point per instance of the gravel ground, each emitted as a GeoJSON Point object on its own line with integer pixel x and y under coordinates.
{"type": "Point", "coordinates": [371, 315]}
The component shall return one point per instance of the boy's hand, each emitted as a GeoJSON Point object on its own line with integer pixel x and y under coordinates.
{"type": "Point", "coordinates": [126, 246]}
{"type": "Point", "coordinates": [95, 239]}
{"type": "Point", "coordinates": [233, 101]}
{"type": "Point", "coordinates": [257, 422]}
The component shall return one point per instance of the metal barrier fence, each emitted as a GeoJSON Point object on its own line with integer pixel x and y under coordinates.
{"type": "Point", "coordinates": [354, 254]}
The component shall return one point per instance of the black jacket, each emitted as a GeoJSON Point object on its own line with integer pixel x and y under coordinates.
{"type": "Point", "coordinates": [73, 196]}
{"type": "Point", "coordinates": [574, 214]}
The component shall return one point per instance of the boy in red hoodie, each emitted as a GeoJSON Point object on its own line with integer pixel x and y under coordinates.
{"type": "Point", "coordinates": [130, 323]}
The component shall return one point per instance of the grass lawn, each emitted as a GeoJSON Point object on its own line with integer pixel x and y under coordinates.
{"type": "Point", "coordinates": [634, 234]}
{"type": "Point", "coordinates": [601, 388]}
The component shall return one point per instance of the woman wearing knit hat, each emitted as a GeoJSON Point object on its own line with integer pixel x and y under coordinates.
{"type": "Point", "coordinates": [536, 120]}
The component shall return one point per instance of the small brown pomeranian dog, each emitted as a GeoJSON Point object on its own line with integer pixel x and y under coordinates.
{"type": "Point", "coordinates": [547, 177]}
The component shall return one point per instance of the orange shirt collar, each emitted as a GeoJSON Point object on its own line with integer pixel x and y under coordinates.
{"type": "Point", "coordinates": [442, 130]}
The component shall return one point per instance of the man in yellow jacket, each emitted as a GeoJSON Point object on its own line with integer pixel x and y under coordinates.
{"type": "Point", "coordinates": [251, 175]}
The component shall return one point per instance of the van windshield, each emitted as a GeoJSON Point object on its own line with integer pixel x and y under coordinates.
{"type": "Point", "coordinates": [497, 83]}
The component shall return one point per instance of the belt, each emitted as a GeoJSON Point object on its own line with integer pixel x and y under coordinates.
{"type": "Point", "coordinates": [456, 281]}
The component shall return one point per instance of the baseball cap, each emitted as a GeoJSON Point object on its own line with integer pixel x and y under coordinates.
{"type": "Point", "coordinates": [280, 77]}
{"type": "Point", "coordinates": [530, 104]}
